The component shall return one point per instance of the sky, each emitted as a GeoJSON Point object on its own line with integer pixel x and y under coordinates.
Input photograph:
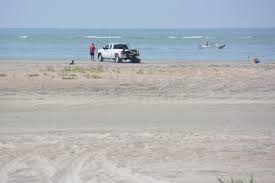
{"type": "Point", "coordinates": [137, 14]}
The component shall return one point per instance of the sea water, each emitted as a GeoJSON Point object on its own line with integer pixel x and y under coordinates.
{"type": "Point", "coordinates": [154, 44]}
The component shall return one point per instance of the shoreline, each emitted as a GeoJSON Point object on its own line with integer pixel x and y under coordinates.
{"type": "Point", "coordinates": [81, 61]}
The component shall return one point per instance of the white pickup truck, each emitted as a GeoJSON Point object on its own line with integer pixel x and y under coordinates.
{"type": "Point", "coordinates": [118, 52]}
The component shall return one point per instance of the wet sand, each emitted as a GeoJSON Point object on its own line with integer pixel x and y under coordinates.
{"type": "Point", "coordinates": [150, 122]}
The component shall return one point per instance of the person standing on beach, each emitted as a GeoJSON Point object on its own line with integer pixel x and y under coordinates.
{"type": "Point", "coordinates": [92, 52]}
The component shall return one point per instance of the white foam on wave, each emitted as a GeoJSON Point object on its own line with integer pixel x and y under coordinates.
{"type": "Point", "coordinates": [23, 37]}
{"type": "Point", "coordinates": [246, 37]}
{"type": "Point", "coordinates": [185, 37]}
{"type": "Point", "coordinates": [192, 37]}
{"type": "Point", "coordinates": [103, 37]}
{"type": "Point", "coordinates": [210, 37]}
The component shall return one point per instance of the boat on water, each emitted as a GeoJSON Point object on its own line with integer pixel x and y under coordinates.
{"type": "Point", "coordinates": [212, 45]}
{"type": "Point", "coordinates": [204, 46]}
{"type": "Point", "coordinates": [220, 46]}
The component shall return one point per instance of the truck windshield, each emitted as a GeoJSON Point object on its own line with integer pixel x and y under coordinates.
{"type": "Point", "coordinates": [121, 46]}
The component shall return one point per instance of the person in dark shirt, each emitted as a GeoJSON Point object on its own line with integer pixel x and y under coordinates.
{"type": "Point", "coordinates": [92, 52]}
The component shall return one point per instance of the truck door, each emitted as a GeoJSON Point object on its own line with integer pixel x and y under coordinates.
{"type": "Point", "coordinates": [111, 51]}
{"type": "Point", "coordinates": [106, 52]}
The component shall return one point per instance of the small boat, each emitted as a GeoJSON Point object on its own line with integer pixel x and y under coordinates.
{"type": "Point", "coordinates": [205, 45]}
{"type": "Point", "coordinates": [212, 45]}
{"type": "Point", "coordinates": [220, 46]}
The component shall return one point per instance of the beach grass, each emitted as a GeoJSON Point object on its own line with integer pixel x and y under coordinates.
{"type": "Point", "coordinates": [80, 69]}
{"type": "Point", "coordinates": [250, 179]}
{"type": "Point", "coordinates": [99, 68]}
{"type": "Point", "coordinates": [140, 71]}
{"type": "Point", "coordinates": [72, 72]}
{"type": "Point", "coordinates": [116, 70]}
{"type": "Point", "coordinates": [92, 76]}
{"type": "Point", "coordinates": [69, 77]}
{"type": "Point", "coordinates": [33, 75]}
{"type": "Point", "coordinates": [50, 69]}
{"type": "Point", "coordinates": [3, 75]}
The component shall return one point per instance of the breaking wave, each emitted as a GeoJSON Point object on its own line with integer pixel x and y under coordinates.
{"type": "Point", "coordinates": [246, 37]}
{"type": "Point", "coordinates": [192, 37]}
{"type": "Point", "coordinates": [186, 37]}
{"type": "Point", "coordinates": [102, 37]}
{"type": "Point", "coordinates": [172, 37]}
{"type": "Point", "coordinates": [23, 37]}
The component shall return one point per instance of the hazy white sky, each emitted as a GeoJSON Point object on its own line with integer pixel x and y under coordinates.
{"type": "Point", "coordinates": [137, 14]}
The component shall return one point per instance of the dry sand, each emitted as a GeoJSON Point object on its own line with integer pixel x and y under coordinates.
{"type": "Point", "coordinates": [151, 122]}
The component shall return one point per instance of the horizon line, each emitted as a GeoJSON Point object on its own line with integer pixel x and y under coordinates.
{"type": "Point", "coordinates": [135, 28]}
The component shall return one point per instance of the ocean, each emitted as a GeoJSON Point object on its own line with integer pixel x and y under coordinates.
{"type": "Point", "coordinates": [154, 44]}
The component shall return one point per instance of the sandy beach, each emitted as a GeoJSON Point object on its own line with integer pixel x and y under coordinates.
{"type": "Point", "coordinates": [159, 122]}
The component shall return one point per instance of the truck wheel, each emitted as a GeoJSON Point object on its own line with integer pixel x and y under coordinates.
{"type": "Point", "coordinates": [100, 58]}
{"type": "Point", "coordinates": [117, 59]}
{"type": "Point", "coordinates": [135, 60]}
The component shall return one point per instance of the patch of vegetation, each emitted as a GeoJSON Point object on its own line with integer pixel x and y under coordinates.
{"type": "Point", "coordinates": [79, 69]}
{"type": "Point", "coordinates": [50, 68]}
{"type": "Point", "coordinates": [140, 71]}
{"type": "Point", "coordinates": [33, 75]}
{"type": "Point", "coordinates": [69, 77]}
{"type": "Point", "coordinates": [92, 72]}
{"type": "Point", "coordinates": [151, 71]}
{"type": "Point", "coordinates": [99, 68]}
{"type": "Point", "coordinates": [3, 75]}
{"type": "Point", "coordinates": [250, 179]}
{"type": "Point", "coordinates": [73, 75]}
{"type": "Point", "coordinates": [92, 76]}
{"type": "Point", "coordinates": [73, 69]}
{"type": "Point", "coordinates": [162, 70]}
{"type": "Point", "coordinates": [115, 70]}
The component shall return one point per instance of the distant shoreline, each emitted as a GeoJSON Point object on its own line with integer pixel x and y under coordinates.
{"type": "Point", "coordinates": [82, 61]}
{"type": "Point", "coordinates": [139, 28]}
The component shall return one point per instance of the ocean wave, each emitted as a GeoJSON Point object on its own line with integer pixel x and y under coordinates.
{"type": "Point", "coordinates": [23, 37]}
{"type": "Point", "coordinates": [172, 37]}
{"type": "Point", "coordinates": [192, 37]}
{"type": "Point", "coordinates": [185, 37]}
{"type": "Point", "coordinates": [102, 37]}
{"type": "Point", "coordinates": [246, 37]}
{"type": "Point", "coordinates": [210, 37]}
